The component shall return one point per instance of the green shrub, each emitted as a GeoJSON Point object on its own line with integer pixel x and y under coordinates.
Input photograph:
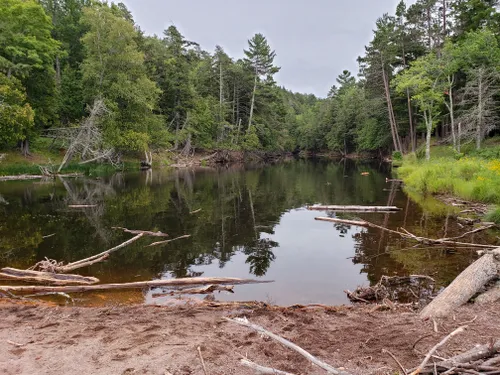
{"type": "Point", "coordinates": [494, 215]}
{"type": "Point", "coordinates": [397, 155]}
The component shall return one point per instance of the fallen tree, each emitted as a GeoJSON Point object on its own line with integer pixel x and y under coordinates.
{"type": "Point", "coordinates": [354, 208]}
{"type": "Point", "coordinates": [133, 285]}
{"type": "Point", "coordinates": [45, 277]}
{"type": "Point", "coordinates": [410, 236]}
{"type": "Point", "coordinates": [465, 286]}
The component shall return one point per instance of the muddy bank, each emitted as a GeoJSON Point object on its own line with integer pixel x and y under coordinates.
{"type": "Point", "coordinates": [159, 340]}
{"type": "Point", "coordinates": [217, 158]}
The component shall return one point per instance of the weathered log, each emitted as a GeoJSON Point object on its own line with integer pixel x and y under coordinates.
{"type": "Point", "coordinates": [144, 232]}
{"type": "Point", "coordinates": [134, 285]}
{"type": "Point", "coordinates": [465, 286]}
{"type": "Point", "coordinates": [354, 208]}
{"type": "Point", "coordinates": [475, 354]}
{"type": "Point", "coordinates": [82, 205]}
{"type": "Point", "coordinates": [406, 234]}
{"type": "Point", "coordinates": [244, 322]}
{"type": "Point", "coordinates": [168, 241]}
{"type": "Point", "coordinates": [95, 258]}
{"type": "Point", "coordinates": [261, 369]}
{"type": "Point", "coordinates": [209, 289]}
{"type": "Point", "coordinates": [24, 177]}
{"type": "Point", "coordinates": [490, 296]}
{"type": "Point", "coordinates": [45, 277]}
{"type": "Point", "coordinates": [436, 347]}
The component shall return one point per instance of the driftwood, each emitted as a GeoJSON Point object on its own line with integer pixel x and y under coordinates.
{"type": "Point", "coordinates": [407, 235]}
{"type": "Point", "coordinates": [45, 277]}
{"type": "Point", "coordinates": [436, 347]}
{"type": "Point", "coordinates": [465, 286]}
{"type": "Point", "coordinates": [261, 369]}
{"type": "Point", "coordinates": [143, 232]}
{"type": "Point", "coordinates": [354, 208]}
{"type": "Point", "coordinates": [95, 258]}
{"type": "Point", "coordinates": [202, 361]}
{"type": "Point", "coordinates": [473, 355]}
{"type": "Point", "coordinates": [82, 205]}
{"type": "Point", "coordinates": [24, 177]}
{"type": "Point", "coordinates": [209, 289]}
{"type": "Point", "coordinates": [244, 322]}
{"type": "Point", "coordinates": [134, 285]}
{"type": "Point", "coordinates": [195, 211]}
{"type": "Point", "coordinates": [168, 241]}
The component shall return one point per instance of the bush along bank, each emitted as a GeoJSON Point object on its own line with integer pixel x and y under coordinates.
{"type": "Point", "coordinates": [469, 178]}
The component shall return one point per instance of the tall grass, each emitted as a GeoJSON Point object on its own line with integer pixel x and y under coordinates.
{"type": "Point", "coordinates": [470, 178]}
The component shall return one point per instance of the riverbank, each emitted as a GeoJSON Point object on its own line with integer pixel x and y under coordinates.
{"type": "Point", "coordinates": [473, 177]}
{"type": "Point", "coordinates": [159, 340]}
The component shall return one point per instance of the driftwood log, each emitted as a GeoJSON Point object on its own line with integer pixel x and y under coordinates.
{"type": "Point", "coordinates": [261, 369]}
{"type": "Point", "coordinates": [209, 289]}
{"type": "Point", "coordinates": [473, 355]}
{"type": "Point", "coordinates": [354, 208]}
{"type": "Point", "coordinates": [24, 177]}
{"type": "Point", "coordinates": [410, 236]}
{"type": "Point", "coordinates": [45, 277]}
{"type": "Point", "coordinates": [134, 285]}
{"type": "Point", "coordinates": [329, 369]}
{"type": "Point", "coordinates": [465, 286]}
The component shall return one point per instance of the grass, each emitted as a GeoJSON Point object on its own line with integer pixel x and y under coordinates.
{"type": "Point", "coordinates": [471, 178]}
{"type": "Point", "coordinates": [494, 215]}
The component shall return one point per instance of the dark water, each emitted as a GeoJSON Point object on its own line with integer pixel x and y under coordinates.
{"type": "Point", "coordinates": [252, 223]}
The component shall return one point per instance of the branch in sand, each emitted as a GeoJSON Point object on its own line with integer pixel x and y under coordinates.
{"type": "Point", "coordinates": [465, 286]}
{"type": "Point", "coordinates": [135, 285]}
{"type": "Point", "coordinates": [244, 322]}
{"type": "Point", "coordinates": [436, 347]}
{"type": "Point", "coordinates": [261, 369]}
{"type": "Point", "coordinates": [168, 241]}
{"type": "Point", "coordinates": [473, 355]}
{"type": "Point", "coordinates": [45, 277]}
{"type": "Point", "coordinates": [406, 234]}
{"type": "Point", "coordinates": [354, 208]}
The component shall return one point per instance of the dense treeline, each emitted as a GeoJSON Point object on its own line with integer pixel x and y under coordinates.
{"type": "Point", "coordinates": [430, 68]}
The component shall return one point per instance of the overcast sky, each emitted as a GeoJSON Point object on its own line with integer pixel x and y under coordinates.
{"type": "Point", "coordinates": [314, 39]}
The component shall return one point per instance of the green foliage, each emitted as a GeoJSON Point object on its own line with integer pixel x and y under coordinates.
{"type": "Point", "coordinates": [493, 215]}
{"type": "Point", "coordinates": [251, 139]}
{"type": "Point", "coordinates": [16, 115]}
{"type": "Point", "coordinates": [468, 178]}
{"type": "Point", "coordinates": [397, 155]}
{"type": "Point", "coordinates": [114, 70]}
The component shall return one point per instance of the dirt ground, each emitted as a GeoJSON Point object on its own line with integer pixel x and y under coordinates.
{"type": "Point", "coordinates": [38, 339]}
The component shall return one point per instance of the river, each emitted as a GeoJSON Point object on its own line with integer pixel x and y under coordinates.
{"type": "Point", "coordinates": [251, 223]}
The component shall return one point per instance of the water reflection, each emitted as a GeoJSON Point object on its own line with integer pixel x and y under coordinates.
{"type": "Point", "coordinates": [243, 222]}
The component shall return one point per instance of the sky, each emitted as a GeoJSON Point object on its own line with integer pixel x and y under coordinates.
{"type": "Point", "coordinates": [314, 40]}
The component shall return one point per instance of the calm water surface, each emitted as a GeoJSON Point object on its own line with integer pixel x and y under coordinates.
{"type": "Point", "coordinates": [253, 223]}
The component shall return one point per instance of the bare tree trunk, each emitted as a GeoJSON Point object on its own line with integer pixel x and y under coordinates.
{"type": "Point", "coordinates": [428, 125]}
{"type": "Point", "coordinates": [389, 107]}
{"type": "Point", "coordinates": [465, 286]}
{"type": "Point", "coordinates": [459, 138]}
{"type": "Point", "coordinates": [413, 139]}
{"type": "Point", "coordinates": [253, 101]}
{"type": "Point", "coordinates": [221, 104]}
{"type": "Point", "coordinates": [450, 106]}
{"type": "Point", "coordinates": [58, 72]}
{"type": "Point", "coordinates": [479, 126]}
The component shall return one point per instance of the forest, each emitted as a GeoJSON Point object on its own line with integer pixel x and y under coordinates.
{"type": "Point", "coordinates": [84, 69]}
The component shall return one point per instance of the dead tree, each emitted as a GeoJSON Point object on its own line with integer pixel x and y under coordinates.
{"type": "Point", "coordinates": [86, 141]}
{"type": "Point", "coordinates": [479, 105]}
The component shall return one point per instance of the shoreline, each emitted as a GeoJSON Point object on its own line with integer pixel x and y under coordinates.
{"type": "Point", "coordinates": [160, 340]}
